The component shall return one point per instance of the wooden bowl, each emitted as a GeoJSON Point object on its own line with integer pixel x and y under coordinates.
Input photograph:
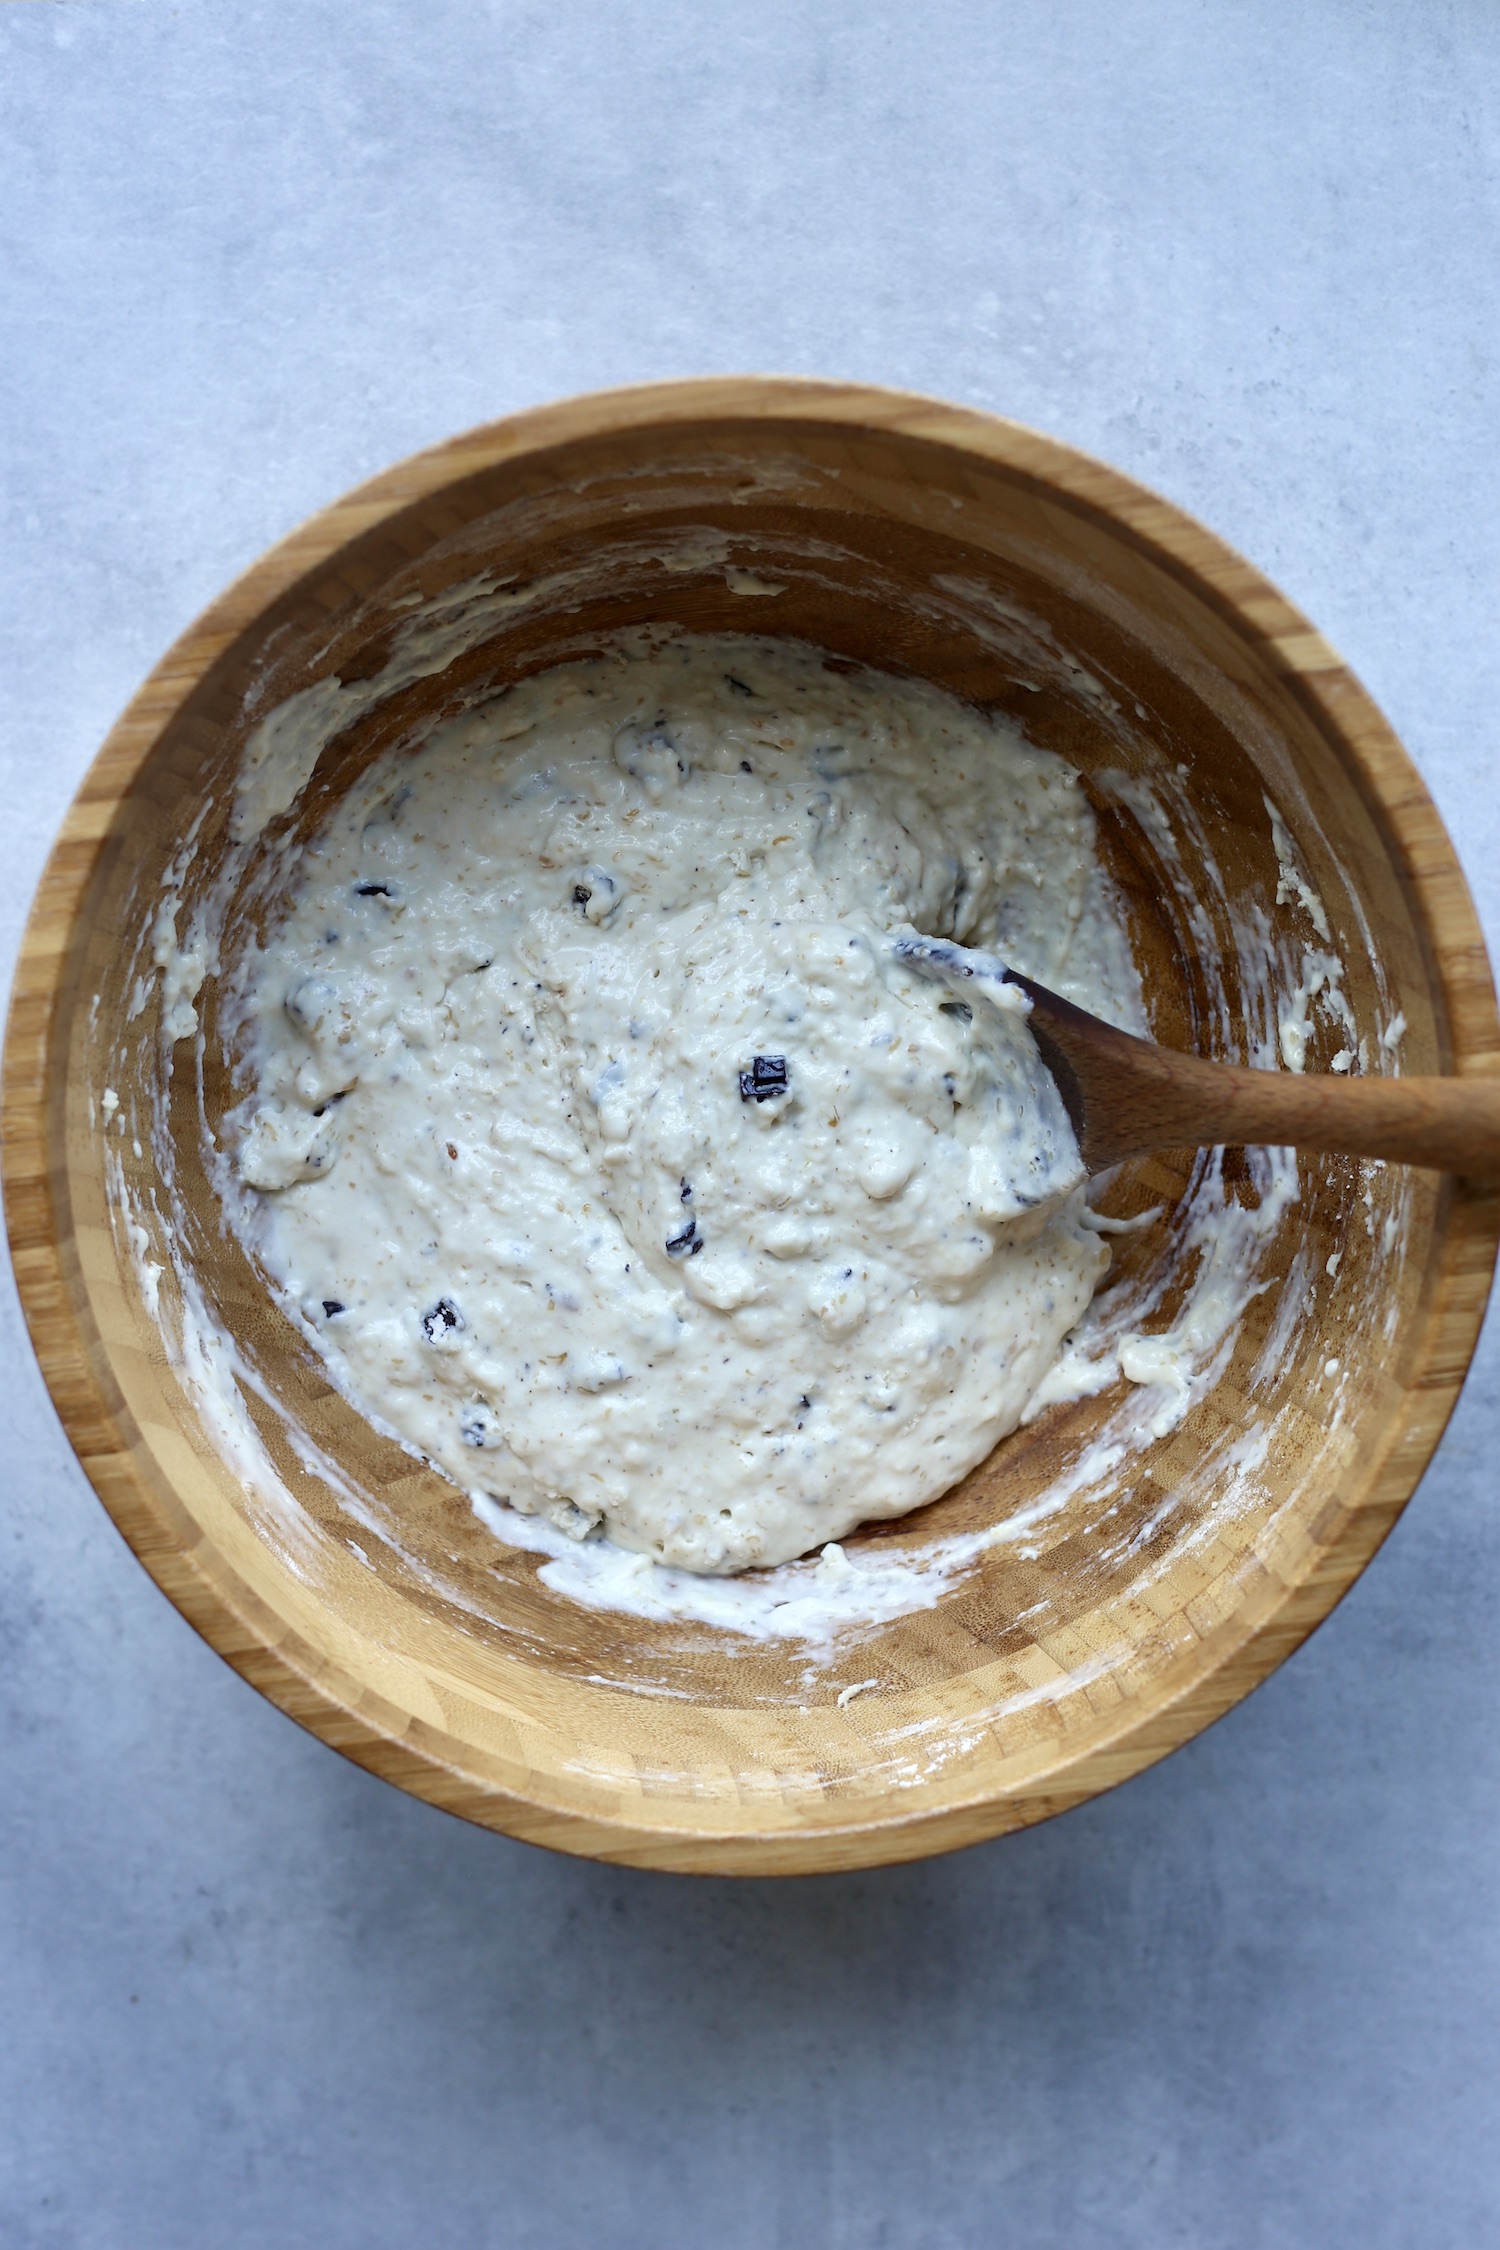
{"type": "Point", "coordinates": [354, 1587]}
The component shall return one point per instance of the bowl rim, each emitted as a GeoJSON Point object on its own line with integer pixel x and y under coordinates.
{"type": "Point", "coordinates": [412, 1754]}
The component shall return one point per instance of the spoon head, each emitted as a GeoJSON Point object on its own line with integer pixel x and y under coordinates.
{"type": "Point", "coordinates": [948, 963]}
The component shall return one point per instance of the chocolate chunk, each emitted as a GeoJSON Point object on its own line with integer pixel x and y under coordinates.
{"type": "Point", "coordinates": [685, 1244]}
{"type": "Point", "coordinates": [686, 1187]}
{"type": "Point", "coordinates": [738, 685]}
{"type": "Point", "coordinates": [373, 890]}
{"type": "Point", "coordinates": [443, 1320]}
{"type": "Point", "coordinates": [745, 766]}
{"type": "Point", "coordinates": [331, 1306]}
{"type": "Point", "coordinates": [581, 894]}
{"type": "Point", "coordinates": [958, 1008]}
{"type": "Point", "coordinates": [764, 1080]}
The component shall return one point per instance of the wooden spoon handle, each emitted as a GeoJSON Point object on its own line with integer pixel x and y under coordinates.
{"type": "Point", "coordinates": [1127, 1097]}
{"type": "Point", "coordinates": [1448, 1124]}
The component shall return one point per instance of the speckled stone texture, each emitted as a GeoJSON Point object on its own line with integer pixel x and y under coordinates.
{"type": "Point", "coordinates": [249, 253]}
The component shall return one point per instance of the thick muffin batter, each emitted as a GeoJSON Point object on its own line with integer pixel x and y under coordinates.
{"type": "Point", "coordinates": [612, 1158]}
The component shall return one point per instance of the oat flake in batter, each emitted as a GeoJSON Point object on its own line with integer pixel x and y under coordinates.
{"type": "Point", "coordinates": [614, 1162]}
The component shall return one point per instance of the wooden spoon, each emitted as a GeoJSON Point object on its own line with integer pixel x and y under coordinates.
{"type": "Point", "coordinates": [1127, 1097]}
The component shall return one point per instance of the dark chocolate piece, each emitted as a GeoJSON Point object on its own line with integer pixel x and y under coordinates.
{"type": "Point", "coordinates": [764, 1080]}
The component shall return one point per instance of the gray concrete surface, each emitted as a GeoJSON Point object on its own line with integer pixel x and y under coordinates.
{"type": "Point", "coordinates": [1249, 250]}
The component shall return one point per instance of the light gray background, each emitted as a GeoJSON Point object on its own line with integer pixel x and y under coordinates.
{"type": "Point", "coordinates": [249, 253]}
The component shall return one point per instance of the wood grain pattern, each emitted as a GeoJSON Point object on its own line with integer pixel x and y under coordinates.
{"type": "Point", "coordinates": [1128, 1097]}
{"type": "Point", "coordinates": [1141, 1611]}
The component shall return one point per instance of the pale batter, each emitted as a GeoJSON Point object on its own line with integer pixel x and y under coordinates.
{"type": "Point", "coordinates": [610, 1156]}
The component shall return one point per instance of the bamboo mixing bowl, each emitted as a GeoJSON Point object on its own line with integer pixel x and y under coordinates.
{"type": "Point", "coordinates": [921, 537]}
